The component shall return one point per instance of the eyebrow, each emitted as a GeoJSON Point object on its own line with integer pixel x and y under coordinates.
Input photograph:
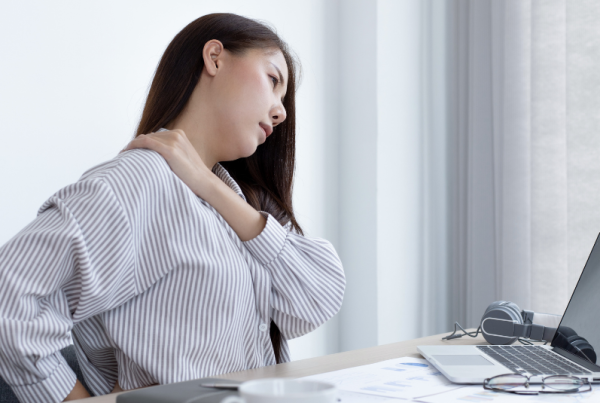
{"type": "Point", "coordinates": [279, 72]}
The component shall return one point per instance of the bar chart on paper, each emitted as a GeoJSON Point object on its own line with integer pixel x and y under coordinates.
{"type": "Point", "coordinates": [405, 378]}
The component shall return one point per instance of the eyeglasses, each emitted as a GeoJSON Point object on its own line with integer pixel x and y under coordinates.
{"type": "Point", "coordinates": [558, 384]}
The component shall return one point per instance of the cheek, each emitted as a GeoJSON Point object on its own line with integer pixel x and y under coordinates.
{"type": "Point", "coordinates": [256, 103]}
{"type": "Point", "coordinates": [245, 104]}
{"type": "Point", "coordinates": [239, 130]}
{"type": "Point", "coordinates": [249, 105]}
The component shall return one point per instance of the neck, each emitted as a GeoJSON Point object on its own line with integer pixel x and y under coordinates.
{"type": "Point", "coordinates": [197, 129]}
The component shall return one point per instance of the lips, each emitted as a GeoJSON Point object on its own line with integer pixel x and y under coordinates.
{"type": "Point", "coordinates": [268, 129]}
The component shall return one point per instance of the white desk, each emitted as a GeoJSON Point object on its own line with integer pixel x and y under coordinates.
{"type": "Point", "coordinates": [332, 362]}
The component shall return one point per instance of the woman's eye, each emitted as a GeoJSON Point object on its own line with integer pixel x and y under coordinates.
{"type": "Point", "coordinates": [275, 81]}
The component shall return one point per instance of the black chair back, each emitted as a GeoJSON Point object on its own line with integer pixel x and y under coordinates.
{"type": "Point", "coordinates": [7, 395]}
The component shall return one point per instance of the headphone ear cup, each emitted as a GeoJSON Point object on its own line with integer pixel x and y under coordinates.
{"type": "Point", "coordinates": [583, 346]}
{"type": "Point", "coordinates": [567, 332]}
{"type": "Point", "coordinates": [493, 306]}
{"type": "Point", "coordinates": [511, 309]}
{"type": "Point", "coordinates": [503, 310]}
{"type": "Point", "coordinates": [515, 312]}
{"type": "Point", "coordinates": [567, 339]}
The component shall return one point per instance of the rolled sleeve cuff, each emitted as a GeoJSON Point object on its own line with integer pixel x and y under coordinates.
{"type": "Point", "coordinates": [268, 244]}
{"type": "Point", "coordinates": [52, 389]}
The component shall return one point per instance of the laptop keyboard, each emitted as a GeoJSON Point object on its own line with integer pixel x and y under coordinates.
{"type": "Point", "coordinates": [534, 360]}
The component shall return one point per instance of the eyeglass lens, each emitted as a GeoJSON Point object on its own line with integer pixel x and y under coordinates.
{"type": "Point", "coordinates": [563, 383]}
{"type": "Point", "coordinates": [507, 382]}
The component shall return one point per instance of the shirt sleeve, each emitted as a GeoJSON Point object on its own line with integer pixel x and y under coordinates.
{"type": "Point", "coordinates": [306, 275]}
{"type": "Point", "coordinates": [73, 261]}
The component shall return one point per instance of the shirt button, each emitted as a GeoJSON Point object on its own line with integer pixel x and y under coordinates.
{"type": "Point", "coordinates": [262, 328]}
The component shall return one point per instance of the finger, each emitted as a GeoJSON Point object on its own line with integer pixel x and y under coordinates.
{"type": "Point", "coordinates": [137, 140]}
{"type": "Point", "coordinates": [151, 143]}
{"type": "Point", "coordinates": [166, 143]}
{"type": "Point", "coordinates": [132, 144]}
{"type": "Point", "coordinates": [176, 139]}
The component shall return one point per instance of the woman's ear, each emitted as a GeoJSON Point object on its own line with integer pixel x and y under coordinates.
{"type": "Point", "coordinates": [213, 55]}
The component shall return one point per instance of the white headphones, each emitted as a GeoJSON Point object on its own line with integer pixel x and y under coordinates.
{"type": "Point", "coordinates": [504, 322]}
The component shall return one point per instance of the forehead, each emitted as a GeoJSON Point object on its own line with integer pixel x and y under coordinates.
{"type": "Point", "coordinates": [270, 57]}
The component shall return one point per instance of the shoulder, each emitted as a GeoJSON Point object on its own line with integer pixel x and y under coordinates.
{"type": "Point", "coordinates": [140, 168]}
{"type": "Point", "coordinates": [139, 163]}
{"type": "Point", "coordinates": [125, 179]}
{"type": "Point", "coordinates": [136, 176]}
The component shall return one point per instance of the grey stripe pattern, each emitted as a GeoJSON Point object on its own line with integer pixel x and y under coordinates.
{"type": "Point", "coordinates": [151, 285]}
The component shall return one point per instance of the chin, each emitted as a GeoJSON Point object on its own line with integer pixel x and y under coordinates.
{"type": "Point", "coordinates": [249, 153]}
{"type": "Point", "coordinates": [250, 148]}
{"type": "Point", "coordinates": [243, 152]}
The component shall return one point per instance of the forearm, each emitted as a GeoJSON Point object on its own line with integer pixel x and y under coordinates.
{"type": "Point", "coordinates": [241, 217]}
{"type": "Point", "coordinates": [79, 391]}
{"type": "Point", "coordinates": [306, 275]}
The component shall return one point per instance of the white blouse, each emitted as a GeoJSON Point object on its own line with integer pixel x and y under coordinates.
{"type": "Point", "coordinates": [151, 285]}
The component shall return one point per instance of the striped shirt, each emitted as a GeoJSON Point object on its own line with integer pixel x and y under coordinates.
{"type": "Point", "coordinates": [151, 285]}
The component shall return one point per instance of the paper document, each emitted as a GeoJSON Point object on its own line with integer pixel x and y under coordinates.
{"type": "Point", "coordinates": [476, 394]}
{"type": "Point", "coordinates": [416, 380]}
{"type": "Point", "coordinates": [405, 378]}
{"type": "Point", "coordinates": [353, 397]}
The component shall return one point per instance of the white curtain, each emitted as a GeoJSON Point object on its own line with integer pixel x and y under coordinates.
{"type": "Point", "coordinates": [392, 168]}
{"type": "Point", "coordinates": [524, 151]}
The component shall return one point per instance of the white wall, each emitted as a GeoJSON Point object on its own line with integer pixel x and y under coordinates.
{"type": "Point", "coordinates": [74, 76]}
{"type": "Point", "coordinates": [358, 172]}
{"type": "Point", "coordinates": [371, 162]}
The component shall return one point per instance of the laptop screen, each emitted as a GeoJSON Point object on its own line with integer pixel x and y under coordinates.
{"type": "Point", "coordinates": [579, 329]}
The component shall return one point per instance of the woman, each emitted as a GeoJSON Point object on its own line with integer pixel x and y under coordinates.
{"type": "Point", "coordinates": [181, 257]}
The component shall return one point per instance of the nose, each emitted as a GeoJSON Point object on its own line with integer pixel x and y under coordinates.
{"type": "Point", "coordinates": [278, 114]}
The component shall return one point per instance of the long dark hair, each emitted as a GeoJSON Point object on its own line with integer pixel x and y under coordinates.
{"type": "Point", "coordinates": [266, 177]}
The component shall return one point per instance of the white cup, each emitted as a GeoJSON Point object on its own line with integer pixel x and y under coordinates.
{"type": "Point", "coordinates": [279, 390]}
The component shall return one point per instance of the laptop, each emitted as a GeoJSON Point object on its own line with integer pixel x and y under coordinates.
{"type": "Point", "coordinates": [473, 364]}
{"type": "Point", "coordinates": [194, 391]}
